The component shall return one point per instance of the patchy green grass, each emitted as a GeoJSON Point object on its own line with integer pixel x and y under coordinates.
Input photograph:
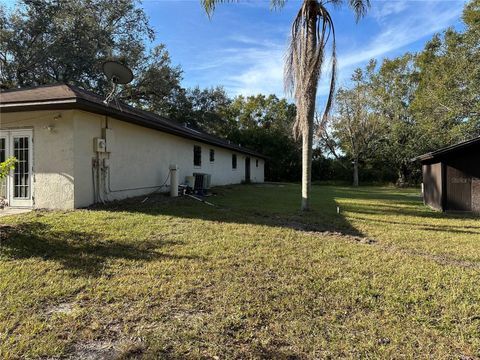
{"type": "Point", "coordinates": [252, 278]}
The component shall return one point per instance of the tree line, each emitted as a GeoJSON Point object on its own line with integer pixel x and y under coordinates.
{"type": "Point", "coordinates": [409, 105]}
{"type": "Point", "coordinates": [389, 113]}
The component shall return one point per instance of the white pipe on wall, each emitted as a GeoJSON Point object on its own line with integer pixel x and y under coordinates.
{"type": "Point", "coordinates": [173, 181]}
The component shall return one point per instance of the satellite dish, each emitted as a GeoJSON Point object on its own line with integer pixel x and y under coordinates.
{"type": "Point", "coordinates": [117, 72]}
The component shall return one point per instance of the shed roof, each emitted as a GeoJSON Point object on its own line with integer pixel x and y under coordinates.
{"type": "Point", "coordinates": [63, 96]}
{"type": "Point", "coordinates": [448, 150]}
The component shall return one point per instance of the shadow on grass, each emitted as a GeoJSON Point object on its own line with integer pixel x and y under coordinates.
{"type": "Point", "coordinates": [83, 253]}
{"type": "Point", "coordinates": [276, 208]}
{"type": "Point", "coordinates": [89, 253]}
{"type": "Point", "coordinates": [276, 205]}
{"type": "Point", "coordinates": [411, 211]}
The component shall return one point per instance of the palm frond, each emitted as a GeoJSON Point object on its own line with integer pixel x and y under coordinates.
{"type": "Point", "coordinates": [333, 75]}
{"type": "Point", "coordinates": [277, 4]}
{"type": "Point", "coordinates": [311, 31]}
{"type": "Point", "coordinates": [335, 3]}
{"type": "Point", "coordinates": [359, 7]}
{"type": "Point", "coordinates": [210, 5]}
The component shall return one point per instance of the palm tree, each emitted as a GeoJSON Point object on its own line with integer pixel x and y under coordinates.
{"type": "Point", "coordinates": [311, 32]}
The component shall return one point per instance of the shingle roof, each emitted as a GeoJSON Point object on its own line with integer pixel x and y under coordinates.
{"type": "Point", "coordinates": [447, 150]}
{"type": "Point", "coordinates": [71, 97]}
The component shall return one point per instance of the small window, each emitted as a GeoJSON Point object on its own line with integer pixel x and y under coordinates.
{"type": "Point", "coordinates": [256, 162]}
{"type": "Point", "coordinates": [234, 161]}
{"type": "Point", "coordinates": [212, 155]}
{"type": "Point", "coordinates": [197, 155]}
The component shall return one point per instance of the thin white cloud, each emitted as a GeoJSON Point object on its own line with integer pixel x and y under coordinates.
{"type": "Point", "coordinates": [402, 32]}
{"type": "Point", "coordinates": [383, 9]}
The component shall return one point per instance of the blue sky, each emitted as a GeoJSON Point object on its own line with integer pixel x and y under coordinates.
{"type": "Point", "coordinates": [242, 47]}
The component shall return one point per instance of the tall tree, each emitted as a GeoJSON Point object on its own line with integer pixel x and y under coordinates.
{"type": "Point", "coordinates": [311, 32]}
{"type": "Point", "coordinates": [208, 110]}
{"type": "Point", "coordinates": [447, 102]}
{"type": "Point", "coordinates": [56, 41]}
{"type": "Point", "coordinates": [355, 127]}
{"type": "Point", "coordinates": [62, 41]}
{"type": "Point", "coordinates": [394, 87]}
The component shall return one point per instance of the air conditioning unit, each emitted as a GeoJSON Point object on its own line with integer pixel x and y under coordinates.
{"type": "Point", "coordinates": [198, 181]}
{"type": "Point", "coordinates": [190, 181]}
{"type": "Point", "coordinates": [207, 180]}
{"type": "Point", "coordinates": [202, 181]}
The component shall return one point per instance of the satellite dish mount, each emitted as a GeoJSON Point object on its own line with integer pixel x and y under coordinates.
{"type": "Point", "coordinates": [117, 73]}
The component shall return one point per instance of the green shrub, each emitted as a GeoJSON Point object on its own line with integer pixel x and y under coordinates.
{"type": "Point", "coordinates": [7, 166]}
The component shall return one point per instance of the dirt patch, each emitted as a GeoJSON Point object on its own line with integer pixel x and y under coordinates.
{"type": "Point", "coordinates": [7, 211]}
{"type": "Point", "coordinates": [314, 230]}
{"type": "Point", "coordinates": [359, 239]}
{"type": "Point", "coordinates": [106, 350]}
{"type": "Point", "coordinates": [63, 308]}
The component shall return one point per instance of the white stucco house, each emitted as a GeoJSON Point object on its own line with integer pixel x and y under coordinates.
{"type": "Point", "coordinates": [74, 150]}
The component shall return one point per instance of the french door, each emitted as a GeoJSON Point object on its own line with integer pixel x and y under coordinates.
{"type": "Point", "coordinates": [17, 187]}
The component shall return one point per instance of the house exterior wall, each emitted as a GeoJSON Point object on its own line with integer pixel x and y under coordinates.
{"type": "Point", "coordinates": [53, 181]}
{"type": "Point", "coordinates": [476, 195]}
{"type": "Point", "coordinates": [463, 166]}
{"type": "Point", "coordinates": [452, 181]}
{"type": "Point", "coordinates": [458, 189]}
{"type": "Point", "coordinates": [433, 185]}
{"type": "Point", "coordinates": [140, 157]}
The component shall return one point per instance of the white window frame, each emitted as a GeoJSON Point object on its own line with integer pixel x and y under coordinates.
{"type": "Point", "coordinates": [9, 135]}
{"type": "Point", "coordinates": [201, 156]}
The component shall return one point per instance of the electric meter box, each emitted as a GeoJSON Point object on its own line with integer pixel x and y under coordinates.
{"type": "Point", "coordinates": [99, 145]}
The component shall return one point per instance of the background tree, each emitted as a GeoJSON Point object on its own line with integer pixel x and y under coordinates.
{"type": "Point", "coordinates": [264, 123]}
{"type": "Point", "coordinates": [393, 90]}
{"type": "Point", "coordinates": [49, 42]}
{"type": "Point", "coordinates": [311, 31]}
{"type": "Point", "coordinates": [209, 110]}
{"type": "Point", "coordinates": [447, 101]}
{"type": "Point", "coordinates": [422, 101]}
{"type": "Point", "coordinates": [355, 126]}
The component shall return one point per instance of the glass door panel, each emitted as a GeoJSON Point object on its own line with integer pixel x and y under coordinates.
{"type": "Point", "coordinates": [19, 183]}
{"type": "Point", "coordinates": [3, 156]}
{"type": "Point", "coordinates": [21, 173]}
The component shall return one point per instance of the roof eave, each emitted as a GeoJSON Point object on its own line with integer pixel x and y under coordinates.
{"type": "Point", "coordinates": [82, 104]}
{"type": "Point", "coordinates": [446, 150]}
{"type": "Point", "coordinates": [424, 157]}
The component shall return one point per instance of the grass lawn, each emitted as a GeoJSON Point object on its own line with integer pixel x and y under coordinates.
{"type": "Point", "coordinates": [252, 278]}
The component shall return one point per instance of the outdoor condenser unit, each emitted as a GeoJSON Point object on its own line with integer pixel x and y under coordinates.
{"type": "Point", "coordinates": [198, 184]}
{"type": "Point", "coordinates": [190, 181]}
{"type": "Point", "coordinates": [202, 181]}
{"type": "Point", "coordinates": [207, 179]}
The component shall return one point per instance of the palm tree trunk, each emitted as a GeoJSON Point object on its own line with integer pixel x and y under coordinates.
{"type": "Point", "coordinates": [355, 172]}
{"type": "Point", "coordinates": [308, 102]}
{"type": "Point", "coordinates": [307, 143]}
